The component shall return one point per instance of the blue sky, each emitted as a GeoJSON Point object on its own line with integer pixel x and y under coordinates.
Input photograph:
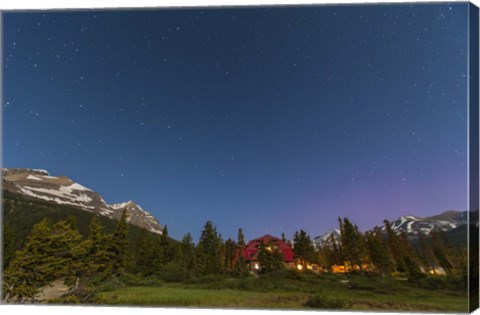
{"type": "Point", "coordinates": [270, 119]}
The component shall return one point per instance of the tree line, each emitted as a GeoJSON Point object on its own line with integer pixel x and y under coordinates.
{"type": "Point", "coordinates": [387, 252]}
{"type": "Point", "coordinates": [58, 251]}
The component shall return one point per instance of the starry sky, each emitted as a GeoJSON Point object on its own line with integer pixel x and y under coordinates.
{"type": "Point", "coordinates": [273, 119]}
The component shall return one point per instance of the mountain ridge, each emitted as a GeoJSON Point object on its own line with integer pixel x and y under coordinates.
{"type": "Point", "coordinates": [38, 184]}
{"type": "Point", "coordinates": [446, 221]}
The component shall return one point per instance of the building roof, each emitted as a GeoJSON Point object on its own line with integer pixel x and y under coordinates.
{"type": "Point", "coordinates": [249, 252]}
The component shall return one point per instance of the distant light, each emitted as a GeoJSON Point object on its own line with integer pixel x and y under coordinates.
{"type": "Point", "coordinates": [299, 267]}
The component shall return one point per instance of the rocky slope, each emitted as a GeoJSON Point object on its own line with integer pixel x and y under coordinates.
{"type": "Point", "coordinates": [40, 185]}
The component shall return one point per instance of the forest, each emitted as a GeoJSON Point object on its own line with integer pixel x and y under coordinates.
{"type": "Point", "coordinates": [99, 262]}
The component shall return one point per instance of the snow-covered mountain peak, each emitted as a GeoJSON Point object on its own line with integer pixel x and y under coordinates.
{"type": "Point", "coordinates": [38, 184]}
{"type": "Point", "coordinates": [326, 238]}
{"type": "Point", "coordinates": [413, 225]}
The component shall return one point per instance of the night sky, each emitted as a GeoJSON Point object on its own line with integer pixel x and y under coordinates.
{"type": "Point", "coordinates": [269, 119]}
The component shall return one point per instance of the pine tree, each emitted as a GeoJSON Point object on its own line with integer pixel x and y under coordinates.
{"type": "Point", "coordinates": [230, 250]}
{"type": "Point", "coordinates": [165, 247]}
{"type": "Point", "coordinates": [303, 248]}
{"type": "Point", "coordinates": [210, 249]}
{"type": "Point", "coordinates": [413, 271]}
{"type": "Point", "coordinates": [189, 255]}
{"type": "Point", "coordinates": [8, 245]}
{"type": "Point", "coordinates": [336, 251]}
{"type": "Point", "coordinates": [378, 252]}
{"type": "Point", "coordinates": [46, 256]}
{"type": "Point", "coordinates": [91, 256]}
{"type": "Point", "coordinates": [441, 251]}
{"type": "Point", "coordinates": [118, 245]}
{"type": "Point", "coordinates": [239, 264]}
{"type": "Point", "coordinates": [98, 255]}
{"type": "Point", "coordinates": [426, 254]}
{"type": "Point", "coordinates": [241, 238]}
{"type": "Point", "coordinates": [352, 244]}
{"type": "Point", "coordinates": [395, 248]}
{"type": "Point", "coordinates": [143, 253]}
{"type": "Point", "coordinates": [269, 258]}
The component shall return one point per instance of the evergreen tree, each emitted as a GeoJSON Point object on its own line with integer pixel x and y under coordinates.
{"type": "Point", "coordinates": [189, 255]}
{"type": "Point", "coordinates": [143, 253]}
{"type": "Point", "coordinates": [269, 258]}
{"type": "Point", "coordinates": [8, 246]}
{"type": "Point", "coordinates": [118, 245]}
{"type": "Point", "coordinates": [162, 253]}
{"type": "Point", "coordinates": [303, 248]}
{"type": "Point", "coordinates": [353, 249]}
{"type": "Point", "coordinates": [336, 253]}
{"type": "Point", "coordinates": [413, 271]}
{"type": "Point", "coordinates": [239, 264]}
{"type": "Point", "coordinates": [92, 256]}
{"type": "Point", "coordinates": [395, 248]}
{"type": "Point", "coordinates": [98, 254]}
{"type": "Point", "coordinates": [230, 250]}
{"type": "Point", "coordinates": [210, 249]}
{"type": "Point", "coordinates": [441, 250]}
{"type": "Point", "coordinates": [46, 256]}
{"type": "Point", "coordinates": [157, 257]}
{"type": "Point", "coordinates": [426, 254]}
{"type": "Point", "coordinates": [378, 252]}
{"type": "Point", "coordinates": [241, 238]}
{"type": "Point", "coordinates": [165, 247]}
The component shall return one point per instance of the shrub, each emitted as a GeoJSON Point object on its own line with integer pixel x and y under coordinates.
{"type": "Point", "coordinates": [141, 281]}
{"type": "Point", "coordinates": [432, 283]}
{"type": "Point", "coordinates": [326, 302]}
{"type": "Point", "coordinates": [173, 272]}
{"type": "Point", "coordinates": [362, 284]}
{"type": "Point", "coordinates": [283, 274]}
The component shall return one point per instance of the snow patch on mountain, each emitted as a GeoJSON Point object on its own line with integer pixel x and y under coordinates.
{"type": "Point", "coordinates": [66, 192]}
{"type": "Point", "coordinates": [38, 184]}
{"type": "Point", "coordinates": [57, 200]}
{"type": "Point", "coordinates": [326, 238]}
{"type": "Point", "coordinates": [33, 177]}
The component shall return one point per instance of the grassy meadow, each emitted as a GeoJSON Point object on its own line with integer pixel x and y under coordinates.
{"type": "Point", "coordinates": [288, 290]}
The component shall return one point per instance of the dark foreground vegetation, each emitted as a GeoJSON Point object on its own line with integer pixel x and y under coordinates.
{"type": "Point", "coordinates": [107, 264]}
{"type": "Point", "coordinates": [287, 289]}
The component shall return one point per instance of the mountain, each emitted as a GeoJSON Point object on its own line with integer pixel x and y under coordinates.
{"type": "Point", "coordinates": [452, 222]}
{"type": "Point", "coordinates": [325, 238]}
{"type": "Point", "coordinates": [35, 184]}
{"type": "Point", "coordinates": [413, 225]}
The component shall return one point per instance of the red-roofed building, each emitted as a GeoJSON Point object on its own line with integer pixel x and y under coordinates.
{"type": "Point", "coordinates": [250, 251]}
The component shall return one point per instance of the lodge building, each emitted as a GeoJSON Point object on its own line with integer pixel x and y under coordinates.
{"type": "Point", "coordinates": [251, 250]}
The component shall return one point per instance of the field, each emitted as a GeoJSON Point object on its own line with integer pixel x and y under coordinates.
{"type": "Point", "coordinates": [274, 291]}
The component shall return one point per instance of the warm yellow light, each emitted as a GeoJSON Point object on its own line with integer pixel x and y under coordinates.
{"type": "Point", "coordinates": [256, 266]}
{"type": "Point", "coordinates": [299, 267]}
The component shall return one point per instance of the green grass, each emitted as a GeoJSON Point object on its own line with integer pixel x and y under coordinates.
{"type": "Point", "coordinates": [306, 292]}
{"type": "Point", "coordinates": [171, 296]}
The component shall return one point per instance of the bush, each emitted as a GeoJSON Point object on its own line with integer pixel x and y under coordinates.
{"type": "Point", "coordinates": [212, 278]}
{"type": "Point", "coordinates": [326, 302]}
{"type": "Point", "coordinates": [110, 285]}
{"type": "Point", "coordinates": [173, 272]}
{"type": "Point", "coordinates": [141, 281]}
{"type": "Point", "coordinates": [362, 284]}
{"type": "Point", "coordinates": [283, 274]}
{"type": "Point", "coordinates": [432, 283]}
